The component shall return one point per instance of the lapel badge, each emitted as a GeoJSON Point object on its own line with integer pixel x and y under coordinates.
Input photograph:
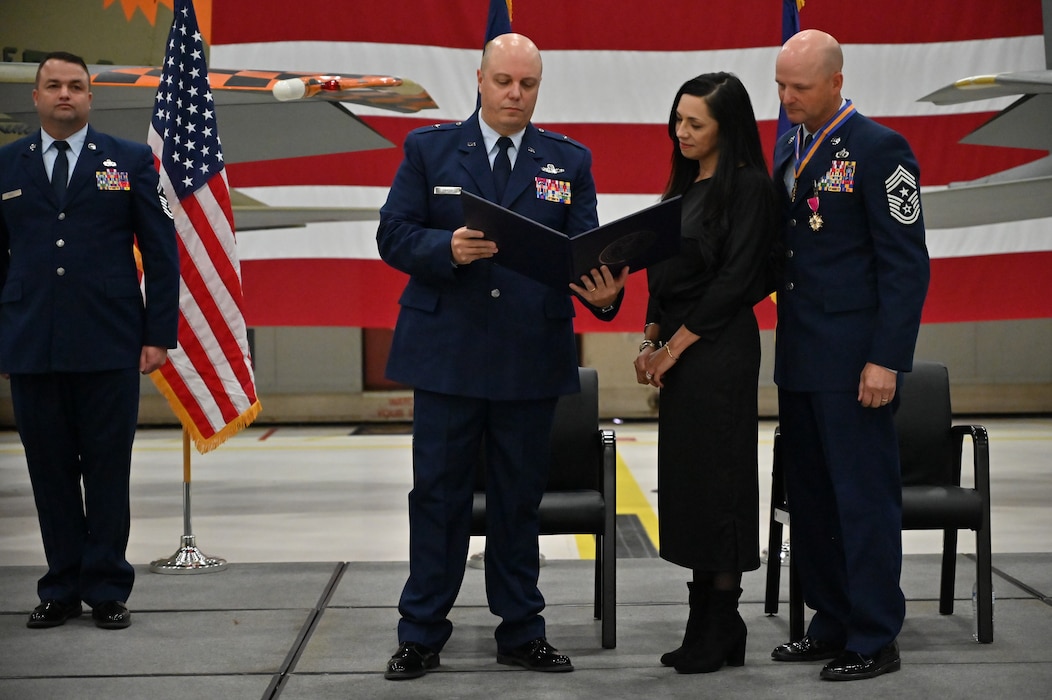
{"type": "Point", "coordinates": [552, 170]}
{"type": "Point", "coordinates": [842, 154]}
{"type": "Point", "coordinates": [32, 147]}
{"type": "Point", "coordinates": [835, 140]}
{"type": "Point", "coordinates": [471, 144]}
{"type": "Point", "coordinates": [109, 163]}
{"type": "Point", "coordinates": [530, 149]}
{"type": "Point", "coordinates": [91, 147]}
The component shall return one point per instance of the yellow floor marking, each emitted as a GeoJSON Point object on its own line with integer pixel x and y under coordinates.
{"type": "Point", "coordinates": [630, 501]}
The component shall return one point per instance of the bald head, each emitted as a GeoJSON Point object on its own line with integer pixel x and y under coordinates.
{"type": "Point", "coordinates": [818, 50]}
{"type": "Point", "coordinates": [511, 44]}
{"type": "Point", "coordinates": [509, 81]}
{"type": "Point", "coordinates": [809, 77]}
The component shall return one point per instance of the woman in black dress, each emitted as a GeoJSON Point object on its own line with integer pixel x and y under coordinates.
{"type": "Point", "coordinates": [701, 346]}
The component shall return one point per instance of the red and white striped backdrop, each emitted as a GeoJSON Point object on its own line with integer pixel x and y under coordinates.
{"type": "Point", "coordinates": [611, 69]}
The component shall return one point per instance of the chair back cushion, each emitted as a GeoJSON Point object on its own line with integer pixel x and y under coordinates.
{"type": "Point", "coordinates": [575, 443]}
{"type": "Point", "coordinates": [923, 420]}
{"type": "Point", "coordinates": [576, 448]}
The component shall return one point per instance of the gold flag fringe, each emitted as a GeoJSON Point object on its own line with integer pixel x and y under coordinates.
{"type": "Point", "coordinates": [202, 443]}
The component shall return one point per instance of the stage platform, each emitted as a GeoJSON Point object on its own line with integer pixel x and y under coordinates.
{"type": "Point", "coordinates": [319, 630]}
{"type": "Point", "coordinates": [312, 521]}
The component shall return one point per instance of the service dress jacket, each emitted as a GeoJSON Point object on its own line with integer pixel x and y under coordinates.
{"type": "Point", "coordinates": [70, 299]}
{"type": "Point", "coordinates": [481, 330]}
{"type": "Point", "coordinates": [853, 283]}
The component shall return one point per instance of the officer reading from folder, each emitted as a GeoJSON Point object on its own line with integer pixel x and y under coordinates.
{"type": "Point", "coordinates": [488, 352]}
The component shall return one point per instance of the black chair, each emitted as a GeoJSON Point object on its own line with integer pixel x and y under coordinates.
{"type": "Point", "coordinates": [581, 494]}
{"type": "Point", "coordinates": [930, 448]}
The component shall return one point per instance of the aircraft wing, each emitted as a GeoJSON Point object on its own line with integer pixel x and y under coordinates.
{"type": "Point", "coordinates": [251, 214]}
{"type": "Point", "coordinates": [984, 87]}
{"type": "Point", "coordinates": [254, 218]}
{"type": "Point", "coordinates": [1011, 195]}
{"type": "Point", "coordinates": [263, 115]}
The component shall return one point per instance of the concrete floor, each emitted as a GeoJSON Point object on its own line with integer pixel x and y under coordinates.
{"type": "Point", "coordinates": [312, 523]}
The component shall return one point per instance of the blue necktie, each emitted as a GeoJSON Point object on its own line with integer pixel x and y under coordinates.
{"type": "Point", "coordinates": [502, 166]}
{"type": "Point", "coordinates": [60, 172]}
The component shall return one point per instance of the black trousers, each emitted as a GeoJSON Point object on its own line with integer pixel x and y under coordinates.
{"type": "Point", "coordinates": [447, 436]}
{"type": "Point", "coordinates": [844, 487]}
{"type": "Point", "coordinates": [77, 430]}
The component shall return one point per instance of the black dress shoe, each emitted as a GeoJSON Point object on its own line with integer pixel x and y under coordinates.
{"type": "Point", "coordinates": [412, 660]}
{"type": "Point", "coordinates": [536, 655]}
{"type": "Point", "coordinates": [806, 649]}
{"type": "Point", "coordinates": [52, 613]}
{"type": "Point", "coordinates": [852, 666]}
{"type": "Point", "coordinates": [111, 615]}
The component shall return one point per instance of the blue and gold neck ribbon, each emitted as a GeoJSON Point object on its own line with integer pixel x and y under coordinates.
{"type": "Point", "coordinates": [804, 157]}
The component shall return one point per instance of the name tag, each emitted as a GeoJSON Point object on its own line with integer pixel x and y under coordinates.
{"type": "Point", "coordinates": [12, 194]}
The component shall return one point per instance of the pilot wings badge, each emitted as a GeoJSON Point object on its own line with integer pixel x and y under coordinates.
{"type": "Point", "coordinates": [552, 170]}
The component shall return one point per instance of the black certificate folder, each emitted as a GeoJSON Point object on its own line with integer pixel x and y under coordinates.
{"type": "Point", "coordinates": [549, 256]}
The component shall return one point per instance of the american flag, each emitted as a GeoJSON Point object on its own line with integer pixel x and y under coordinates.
{"type": "Point", "coordinates": [208, 379]}
{"type": "Point", "coordinates": [610, 72]}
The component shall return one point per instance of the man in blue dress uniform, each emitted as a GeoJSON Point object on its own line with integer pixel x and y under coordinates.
{"type": "Point", "coordinates": [849, 307]}
{"type": "Point", "coordinates": [75, 332]}
{"type": "Point", "coordinates": [488, 352]}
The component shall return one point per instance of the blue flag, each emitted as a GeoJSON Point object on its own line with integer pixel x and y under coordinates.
{"type": "Point", "coordinates": [499, 20]}
{"type": "Point", "coordinates": [790, 26]}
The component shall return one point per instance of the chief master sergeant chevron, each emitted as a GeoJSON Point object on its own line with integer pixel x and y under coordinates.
{"type": "Point", "coordinates": [849, 309]}
{"type": "Point", "coordinates": [75, 332]}
{"type": "Point", "coordinates": [488, 352]}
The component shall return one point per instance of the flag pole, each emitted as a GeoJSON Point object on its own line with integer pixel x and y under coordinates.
{"type": "Point", "coordinates": [188, 559]}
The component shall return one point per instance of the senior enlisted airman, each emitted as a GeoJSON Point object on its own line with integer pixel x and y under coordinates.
{"type": "Point", "coordinates": [849, 308]}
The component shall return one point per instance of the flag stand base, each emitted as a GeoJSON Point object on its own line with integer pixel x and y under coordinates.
{"type": "Point", "coordinates": [188, 559]}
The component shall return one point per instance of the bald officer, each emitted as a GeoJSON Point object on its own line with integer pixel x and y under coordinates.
{"type": "Point", "coordinates": [488, 352]}
{"type": "Point", "coordinates": [849, 309]}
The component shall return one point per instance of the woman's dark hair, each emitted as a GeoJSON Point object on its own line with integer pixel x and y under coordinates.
{"type": "Point", "coordinates": [738, 140]}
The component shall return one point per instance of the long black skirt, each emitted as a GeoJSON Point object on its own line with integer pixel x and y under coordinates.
{"type": "Point", "coordinates": [708, 491]}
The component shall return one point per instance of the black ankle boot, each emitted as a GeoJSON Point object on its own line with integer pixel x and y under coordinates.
{"type": "Point", "coordinates": [722, 639]}
{"type": "Point", "coordinates": [697, 597]}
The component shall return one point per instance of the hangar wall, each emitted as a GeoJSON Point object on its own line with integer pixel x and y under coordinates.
{"type": "Point", "coordinates": [315, 375]}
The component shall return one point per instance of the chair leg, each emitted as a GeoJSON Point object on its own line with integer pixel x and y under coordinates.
{"type": "Point", "coordinates": [609, 611]}
{"type": "Point", "coordinates": [796, 603]}
{"type": "Point", "coordinates": [774, 567]}
{"type": "Point", "coordinates": [949, 571]}
{"type": "Point", "coordinates": [597, 611]}
{"type": "Point", "coordinates": [985, 586]}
